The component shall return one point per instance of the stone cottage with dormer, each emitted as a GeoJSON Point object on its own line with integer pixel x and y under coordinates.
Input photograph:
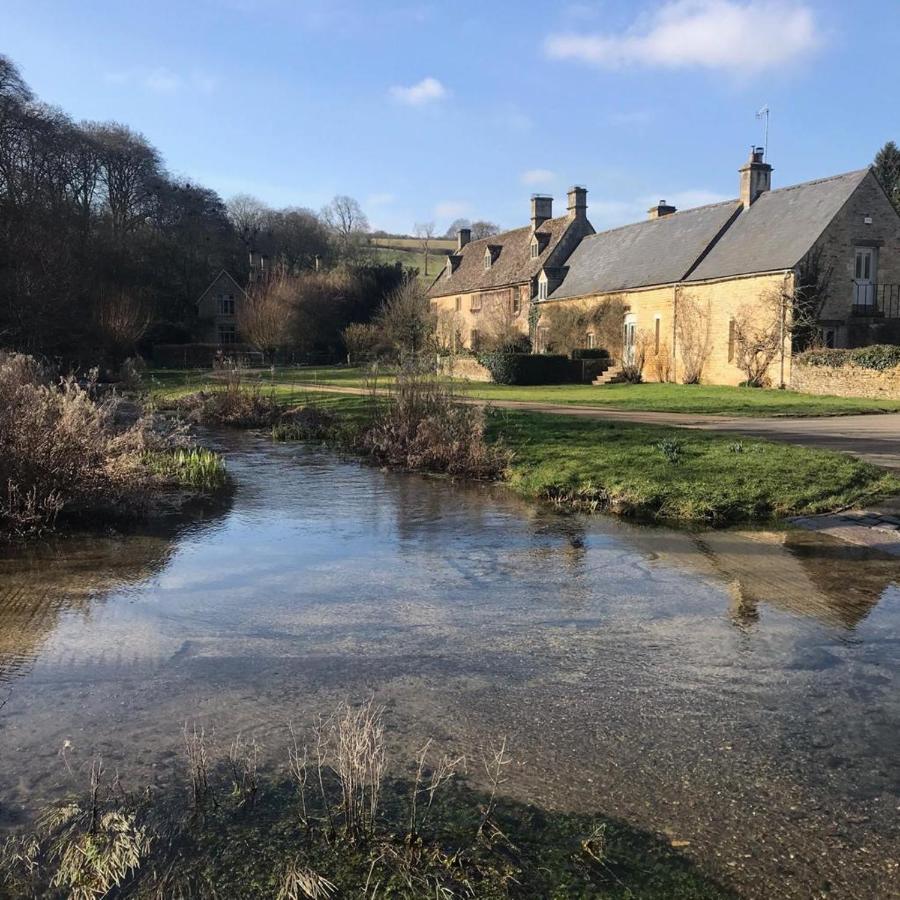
{"type": "Point", "coordinates": [732, 261]}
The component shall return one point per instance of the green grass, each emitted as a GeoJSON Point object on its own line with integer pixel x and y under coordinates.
{"type": "Point", "coordinates": [680, 398]}
{"type": "Point", "coordinates": [412, 258]}
{"type": "Point", "coordinates": [670, 473]}
{"type": "Point", "coordinates": [648, 471]}
{"type": "Point", "coordinates": [197, 468]}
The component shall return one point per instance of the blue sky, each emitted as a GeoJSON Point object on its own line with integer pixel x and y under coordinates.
{"type": "Point", "coordinates": [429, 111]}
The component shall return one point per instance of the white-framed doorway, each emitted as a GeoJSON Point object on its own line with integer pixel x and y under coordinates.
{"type": "Point", "coordinates": [629, 339]}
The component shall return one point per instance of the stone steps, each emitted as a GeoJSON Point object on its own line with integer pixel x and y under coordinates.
{"type": "Point", "coordinates": [612, 375]}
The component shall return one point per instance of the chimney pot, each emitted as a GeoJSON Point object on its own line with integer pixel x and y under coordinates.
{"type": "Point", "coordinates": [756, 177]}
{"type": "Point", "coordinates": [661, 209]}
{"type": "Point", "coordinates": [577, 202]}
{"type": "Point", "coordinates": [463, 236]}
{"type": "Point", "coordinates": [541, 210]}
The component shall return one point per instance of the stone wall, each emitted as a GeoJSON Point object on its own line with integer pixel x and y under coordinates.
{"type": "Point", "coordinates": [723, 300]}
{"type": "Point", "coordinates": [846, 381]}
{"type": "Point", "coordinates": [466, 367]}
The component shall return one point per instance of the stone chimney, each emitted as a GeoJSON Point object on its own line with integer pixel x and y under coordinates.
{"type": "Point", "coordinates": [541, 210]}
{"type": "Point", "coordinates": [661, 209]}
{"type": "Point", "coordinates": [463, 236]}
{"type": "Point", "coordinates": [756, 177]}
{"type": "Point", "coordinates": [577, 202]}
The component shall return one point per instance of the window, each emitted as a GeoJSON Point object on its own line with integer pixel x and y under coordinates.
{"type": "Point", "coordinates": [458, 304]}
{"type": "Point", "coordinates": [731, 337]}
{"type": "Point", "coordinates": [656, 337]}
{"type": "Point", "coordinates": [227, 334]}
{"type": "Point", "coordinates": [590, 340]}
{"type": "Point", "coordinates": [535, 248]}
{"type": "Point", "coordinates": [517, 303]}
{"type": "Point", "coordinates": [473, 339]}
{"type": "Point", "coordinates": [542, 289]}
{"type": "Point", "coordinates": [488, 259]}
{"type": "Point", "coordinates": [828, 338]}
{"type": "Point", "coordinates": [226, 304]}
{"type": "Point", "coordinates": [475, 303]}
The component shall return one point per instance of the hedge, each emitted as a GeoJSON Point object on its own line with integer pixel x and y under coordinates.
{"type": "Point", "coordinates": [527, 368]}
{"type": "Point", "coordinates": [877, 356]}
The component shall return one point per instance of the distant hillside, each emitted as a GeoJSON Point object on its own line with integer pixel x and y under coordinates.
{"type": "Point", "coordinates": [407, 252]}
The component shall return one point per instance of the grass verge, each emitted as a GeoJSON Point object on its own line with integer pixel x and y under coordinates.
{"type": "Point", "coordinates": [693, 399]}
{"type": "Point", "coordinates": [677, 474]}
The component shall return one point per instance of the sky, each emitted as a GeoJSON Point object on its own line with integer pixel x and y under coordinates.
{"type": "Point", "coordinates": [427, 111]}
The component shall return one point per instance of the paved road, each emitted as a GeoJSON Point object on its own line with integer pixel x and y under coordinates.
{"type": "Point", "coordinates": [875, 438]}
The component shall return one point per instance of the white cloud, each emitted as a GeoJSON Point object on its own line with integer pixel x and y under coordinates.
{"type": "Point", "coordinates": [428, 90]}
{"type": "Point", "coordinates": [451, 209]}
{"type": "Point", "coordinates": [734, 35]}
{"type": "Point", "coordinates": [384, 199]}
{"type": "Point", "coordinates": [161, 81]}
{"type": "Point", "coordinates": [536, 177]}
{"type": "Point", "coordinates": [164, 81]}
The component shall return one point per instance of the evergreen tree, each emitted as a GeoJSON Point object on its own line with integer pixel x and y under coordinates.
{"type": "Point", "coordinates": [887, 169]}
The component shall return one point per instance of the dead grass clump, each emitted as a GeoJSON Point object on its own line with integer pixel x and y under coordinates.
{"type": "Point", "coordinates": [235, 405]}
{"type": "Point", "coordinates": [424, 427]}
{"type": "Point", "coordinates": [304, 423]}
{"type": "Point", "coordinates": [62, 449]}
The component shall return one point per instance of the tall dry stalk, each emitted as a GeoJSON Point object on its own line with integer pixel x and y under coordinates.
{"type": "Point", "coordinates": [495, 763]}
{"type": "Point", "coordinates": [198, 764]}
{"type": "Point", "coordinates": [360, 761]}
{"type": "Point", "coordinates": [243, 764]}
{"type": "Point", "coordinates": [298, 765]}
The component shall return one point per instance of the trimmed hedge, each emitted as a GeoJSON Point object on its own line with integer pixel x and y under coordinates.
{"type": "Point", "coordinates": [527, 368]}
{"type": "Point", "coordinates": [590, 353]}
{"type": "Point", "coordinates": [878, 356]}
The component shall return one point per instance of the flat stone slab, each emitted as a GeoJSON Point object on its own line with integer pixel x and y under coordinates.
{"type": "Point", "coordinates": [865, 528]}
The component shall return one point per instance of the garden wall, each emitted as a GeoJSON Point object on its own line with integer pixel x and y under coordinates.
{"type": "Point", "coordinates": [846, 381]}
{"type": "Point", "coordinates": [466, 367]}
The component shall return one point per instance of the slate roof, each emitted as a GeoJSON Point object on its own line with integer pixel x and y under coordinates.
{"type": "Point", "coordinates": [655, 251]}
{"type": "Point", "coordinates": [778, 230]}
{"type": "Point", "coordinates": [512, 265]}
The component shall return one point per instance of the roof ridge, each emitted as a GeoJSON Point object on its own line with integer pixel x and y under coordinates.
{"type": "Point", "coordinates": [803, 184]}
{"type": "Point", "coordinates": [680, 212]}
{"type": "Point", "coordinates": [509, 231]}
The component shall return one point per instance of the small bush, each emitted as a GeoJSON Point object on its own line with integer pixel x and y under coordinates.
{"type": "Point", "coordinates": [527, 368]}
{"type": "Point", "coordinates": [423, 427]}
{"type": "Point", "coordinates": [235, 405]}
{"type": "Point", "coordinates": [304, 424]}
{"type": "Point", "coordinates": [670, 449]}
{"type": "Point", "coordinates": [877, 356]}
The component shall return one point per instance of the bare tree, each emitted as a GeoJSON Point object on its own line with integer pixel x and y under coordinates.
{"type": "Point", "coordinates": [500, 328]}
{"type": "Point", "coordinates": [348, 223]}
{"type": "Point", "coordinates": [455, 227]}
{"type": "Point", "coordinates": [249, 216]}
{"type": "Point", "coordinates": [407, 319]}
{"type": "Point", "coordinates": [482, 229]}
{"type": "Point", "coordinates": [448, 334]}
{"type": "Point", "coordinates": [265, 317]}
{"type": "Point", "coordinates": [694, 339]}
{"type": "Point", "coordinates": [567, 326]}
{"type": "Point", "coordinates": [758, 332]}
{"type": "Point", "coordinates": [122, 319]}
{"type": "Point", "coordinates": [424, 231]}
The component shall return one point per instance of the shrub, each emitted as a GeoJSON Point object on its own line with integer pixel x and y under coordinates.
{"type": "Point", "coordinates": [59, 448]}
{"type": "Point", "coordinates": [235, 405]}
{"type": "Point", "coordinates": [527, 368]}
{"type": "Point", "coordinates": [590, 353]}
{"type": "Point", "coordinates": [877, 356]}
{"type": "Point", "coordinates": [423, 427]}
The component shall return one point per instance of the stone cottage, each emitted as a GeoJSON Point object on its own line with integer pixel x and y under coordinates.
{"type": "Point", "coordinates": [728, 268]}
{"type": "Point", "coordinates": [217, 309]}
{"type": "Point", "coordinates": [490, 284]}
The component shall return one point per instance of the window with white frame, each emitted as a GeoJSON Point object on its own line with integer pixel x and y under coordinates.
{"type": "Point", "coordinates": [516, 303]}
{"type": "Point", "coordinates": [226, 304]}
{"type": "Point", "coordinates": [535, 248]}
{"type": "Point", "coordinates": [488, 258]}
{"type": "Point", "coordinates": [542, 289]}
{"type": "Point", "coordinates": [227, 334]}
{"type": "Point", "coordinates": [590, 340]}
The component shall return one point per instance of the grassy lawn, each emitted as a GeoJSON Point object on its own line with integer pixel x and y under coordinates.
{"type": "Point", "coordinates": [673, 473]}
{"type": "Point", "coordinates": [412, 258]}
{"type": "Point", "coordinates": [680, 398]}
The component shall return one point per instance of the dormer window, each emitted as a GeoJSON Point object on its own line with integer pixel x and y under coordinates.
{"type": "Point", "coordinates": [542, 287]}
{"type": "Point", "coordinates": [488, 258]}
{"type": "Point", "coordinates": [535, 248]}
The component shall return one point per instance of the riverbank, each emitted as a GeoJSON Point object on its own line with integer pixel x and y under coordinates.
{"type": "Point", "coordinates": [642, 471]}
